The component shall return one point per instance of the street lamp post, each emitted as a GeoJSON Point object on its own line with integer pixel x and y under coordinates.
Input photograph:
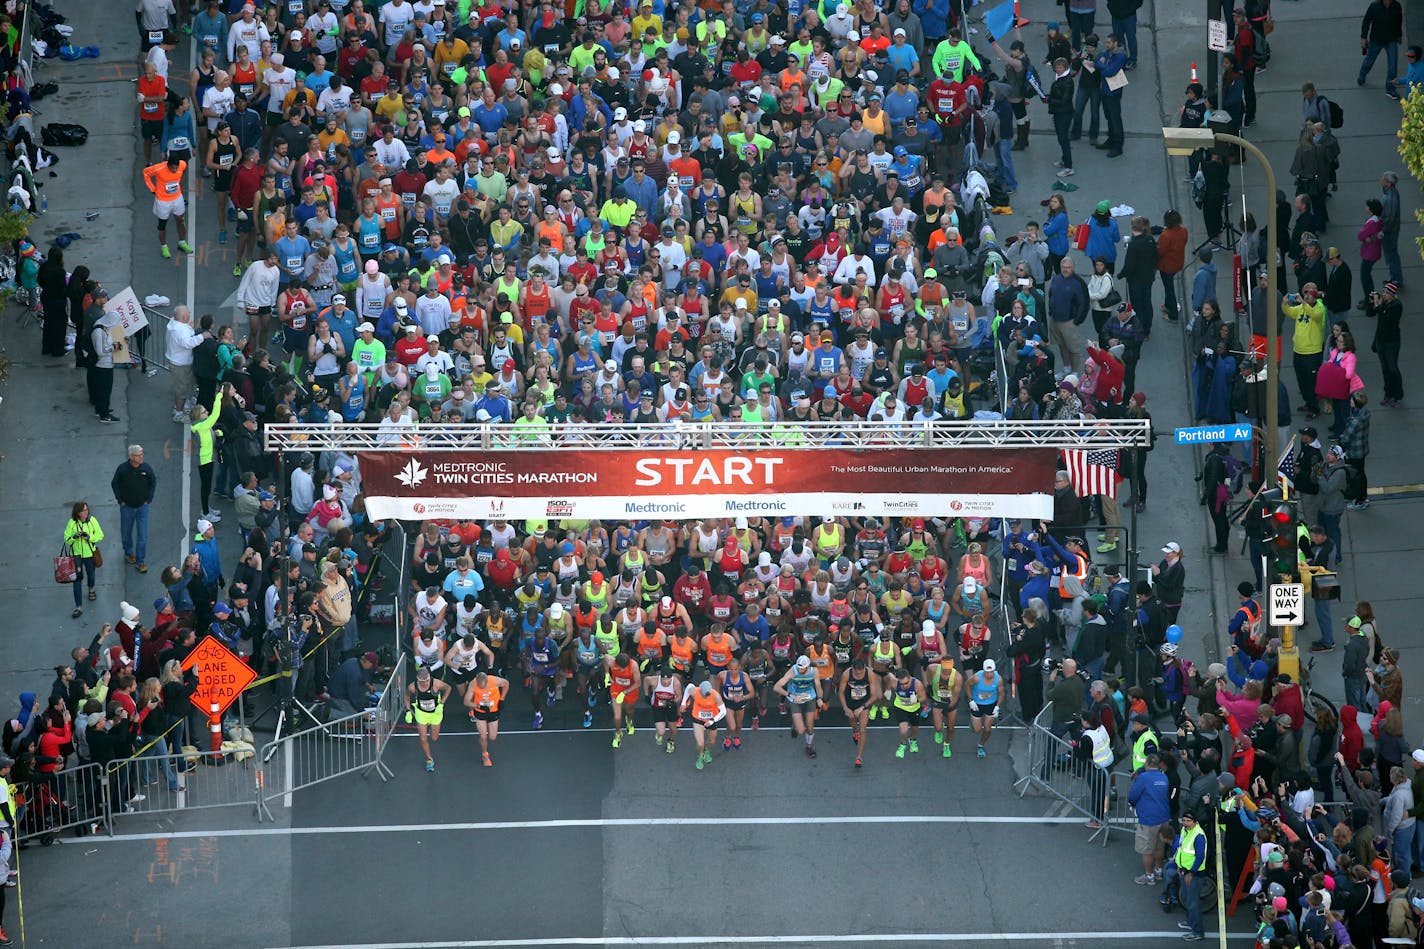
{"type": "Point", "coordinates": [1181, 141]}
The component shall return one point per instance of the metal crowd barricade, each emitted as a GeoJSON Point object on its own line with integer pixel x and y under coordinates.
{"type": "Point", "coordinates": [150, 346]}
{"type": "Point", "coordinates": [73, 798]}
{"type": "Point", "coordinates": [1056, 771]}
{"type": "Point", "coordinates": [339, 747]}
{"type": "Point", "coordinates": [206, 779]}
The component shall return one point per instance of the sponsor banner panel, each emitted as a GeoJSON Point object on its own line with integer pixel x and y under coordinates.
{"type": "Point", "coordinates": [637, 484]}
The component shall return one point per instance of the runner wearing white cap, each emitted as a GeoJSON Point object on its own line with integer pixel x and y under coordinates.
{"type": "Point", "coordinates": [801, 688]}
{"type": "Point", "coordinates": [986, 688]}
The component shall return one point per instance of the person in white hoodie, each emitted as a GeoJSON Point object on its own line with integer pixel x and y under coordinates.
{"type": "Point", "coordinates": [101, 367]}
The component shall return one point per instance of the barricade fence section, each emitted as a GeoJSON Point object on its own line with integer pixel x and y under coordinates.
{"type": "Point", "coordinates": [1055, 770]}
{"type": "Point", "coordinates": [183, 781]}
{"type": "Point", "coordinates": [70, 799]}
{"type": "Point", "coordinates": [149, 345]}
{"type": "Point", "coordinates": [341, 746]}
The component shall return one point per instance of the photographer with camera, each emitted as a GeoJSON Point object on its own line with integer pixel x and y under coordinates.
{"type": "Point", "coordinates": [1065, 695]}
{"type": "Point", "coordinates": [1028, 641]}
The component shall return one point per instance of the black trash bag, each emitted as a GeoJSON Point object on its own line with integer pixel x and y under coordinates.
{"type": "Point", "coordinates": [63, 133]}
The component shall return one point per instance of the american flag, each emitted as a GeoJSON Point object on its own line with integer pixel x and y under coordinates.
{"type": "Point", "coordinates": [1286, 469]}
{"type": "Point", "coordinates": [1093, 472]}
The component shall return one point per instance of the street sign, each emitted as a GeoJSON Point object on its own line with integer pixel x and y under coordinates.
{"type": "Point", "coordinates": [1216, 36]}
{"type": "Point", "coordinates": [1287, 604]}
{"type": "Point", "coordinates": [1209, 434]}
{"type": "Point", "coordinates": [222, 675]}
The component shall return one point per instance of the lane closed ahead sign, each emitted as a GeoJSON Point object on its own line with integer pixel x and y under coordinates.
{"type": "Point", "coordinates": [222, 675]}
{"type": "Point", "coordinates": [1287, 604]}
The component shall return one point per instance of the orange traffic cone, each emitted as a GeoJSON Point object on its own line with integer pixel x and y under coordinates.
{"type": "Point", "coordinates": [1194, 73]}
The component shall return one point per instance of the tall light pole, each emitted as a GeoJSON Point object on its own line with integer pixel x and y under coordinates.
{"type": "Point", "coordinates": [1184, 142]}
{"type": "Point", "coordinates": [1181, 141]}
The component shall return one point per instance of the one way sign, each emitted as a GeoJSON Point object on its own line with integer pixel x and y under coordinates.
{"type": "Point", "coordinates": [1287, 604]}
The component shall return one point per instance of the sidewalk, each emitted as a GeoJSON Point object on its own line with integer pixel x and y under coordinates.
{"type": "Point", "coordinates": [56, 452]}
{"type": "Point", "coordinates": [1377, 540]}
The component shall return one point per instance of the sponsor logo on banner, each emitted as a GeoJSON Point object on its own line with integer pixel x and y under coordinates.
{"type": "Point", "coordinates": [412, 474]}
{"type": "Point", "coordinates": [559, 509]}
{"type": "Point", "coordinates": [901, 505]}
{"type": "Point", "coordinates": [496, 507]}
{"type": "Point", "coordinates": [847, 505]}
{"type": "Point", "coordinates": [653, 507]}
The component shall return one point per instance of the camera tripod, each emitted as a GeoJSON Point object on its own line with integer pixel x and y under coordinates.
{"type": "Point", "coordinates": [1226, 238]}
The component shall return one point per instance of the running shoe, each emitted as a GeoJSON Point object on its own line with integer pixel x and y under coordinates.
{"type": "Point", "coordinates": [237, 270]}
{"type": "Point", "coordinates": [810, 752]}
{"type": "Point", "coordinates": [708, 755]}
{"type": "Point", "coordinates": [429, 764]}
{"type": "Point", "coordinates": [658, 739]}
{"type": "Point", "coordinates": [592, 699]}
{"type": "Point", "coordinates": [924, 713]}
{"type": "Point", "coordinates": [185, 247]}
{"type": "Point", "coordinates": [782, 709]}
{"type": "Point", "coordinates": [947, 752]}
{"type": "Point", "coordinates": [631, 729]}
{"type": "Point", "coordinates": [914, 747]}
{"type": "Point", "coordinates": [670, 747]}
{"type": "Point", "coordinates": [700, 763]}
{"type": "Point", "coordinates": [857, 763]}
{"type": "Point", "coordinates": [726, 744]}
{"type": "Point", "coordinates": [222, 237]}
{"type": "Point", "coordinates": [900, 752]}
{"type": "Point", "coordinates": [163, 249]}
{"type": "Point", "coordinates": [939, 738]}
{"type": "Point", "coordinates": [756, 723]}
{"type": "Point", "coordinates": [550, 694]}
{"type": "Point", "coordinates": [855, 738]}
{"type": "Point", "coordinates": [737, 744]}
{"type": "Point", "coordinates": [587, 719]}
{"type": "Point", "coordinates": [617, 739]}
{"type": "Point", "coordinates": [485, 759]}
{"type": "Point", "coordinates": [980, 751]}
{"type": "Point", "coordinates": [538, 720]}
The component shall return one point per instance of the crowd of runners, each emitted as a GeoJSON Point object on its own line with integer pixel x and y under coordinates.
{"type": "Point", "coordinates": [727, 626]}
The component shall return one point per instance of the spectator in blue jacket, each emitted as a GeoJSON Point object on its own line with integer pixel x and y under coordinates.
{"type": "Point", "coordinates": [1151, 799]}
{"type": "Point", "coordinates": [1204, 283]}
{"type": "Point", "coordinates": [1103, 235]}
{"type": "Point", "coordinates": [205, 545]}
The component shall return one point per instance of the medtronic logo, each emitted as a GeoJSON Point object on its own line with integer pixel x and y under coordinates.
{"type": "Point", "coordinates": [745, 507]}
{"type": "Point", "coordinates": [412, 474]}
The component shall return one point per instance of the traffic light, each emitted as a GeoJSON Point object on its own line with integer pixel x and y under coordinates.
{"type": "Point", "coordinates": [1281, 534]}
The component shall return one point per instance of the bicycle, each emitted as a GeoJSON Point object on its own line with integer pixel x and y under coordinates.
{"type": "Point", "coordinates": [1312, 700]}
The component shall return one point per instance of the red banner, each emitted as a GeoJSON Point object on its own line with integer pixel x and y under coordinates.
{"type": "Point", "coordinates": [629, 484]}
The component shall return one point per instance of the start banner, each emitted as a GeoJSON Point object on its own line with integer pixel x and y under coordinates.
{"type": "Point", "coordinates": [633, 484]}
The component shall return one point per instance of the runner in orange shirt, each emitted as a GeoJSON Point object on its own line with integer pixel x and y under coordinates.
{"type": "Point", "coordinates": [165, 180]}
{"type": "Point", "coordinates": [622, 679]}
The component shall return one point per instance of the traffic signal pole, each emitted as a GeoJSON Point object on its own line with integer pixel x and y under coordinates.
{"type": "Point", "coordinates": [1284, 541]}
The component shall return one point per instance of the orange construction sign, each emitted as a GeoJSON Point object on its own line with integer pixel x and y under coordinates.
{"type": "Point", "coordinates": [222, 675]}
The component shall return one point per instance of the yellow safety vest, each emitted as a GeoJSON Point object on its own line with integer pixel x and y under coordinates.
{"type": "Point", "coordinates": [1187, 849]}
{"type": "Point", "coordinates": [1139, 749]}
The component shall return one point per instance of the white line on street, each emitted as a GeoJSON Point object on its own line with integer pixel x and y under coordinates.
{"type": "Point", "coordinates": [591, 822]}
{"type": "Point", "coordinates": [991, 937]}
{"type": "Point", "coordinates": [888, 729]}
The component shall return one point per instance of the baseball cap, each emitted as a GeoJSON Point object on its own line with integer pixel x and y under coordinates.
{"type": "Point", "coordinates": [371, 657]}
{"type": "Point", "coordinates": [989, 665]}
{"type": "Point", "coordinates": [1172, 547]}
